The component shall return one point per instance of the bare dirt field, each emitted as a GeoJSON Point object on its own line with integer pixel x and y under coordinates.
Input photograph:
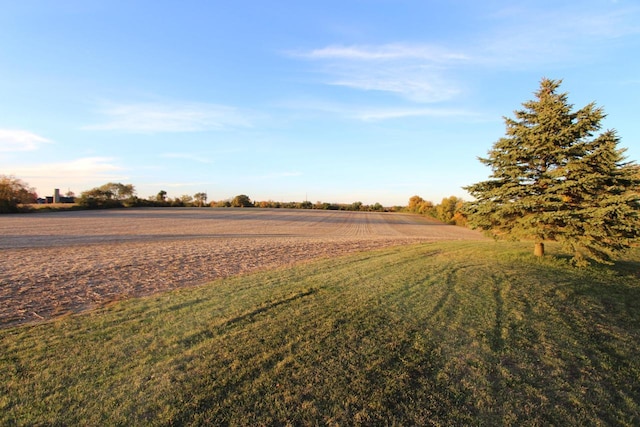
{"type": "Point", "coordinates": [52, 264]}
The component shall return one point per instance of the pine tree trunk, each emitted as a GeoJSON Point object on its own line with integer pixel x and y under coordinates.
{"type": "Point", "coordinates": [538, 250]}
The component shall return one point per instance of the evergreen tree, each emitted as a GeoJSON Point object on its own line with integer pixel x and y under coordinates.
{"type": "Point", "coordinates": [553, 179]}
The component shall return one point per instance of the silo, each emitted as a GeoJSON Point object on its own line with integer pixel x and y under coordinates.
{"type": "Point", "coordinates": [56, 195]}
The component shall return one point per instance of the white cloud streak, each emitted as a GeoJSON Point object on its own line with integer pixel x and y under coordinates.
{"type": "Point", "coordinates": [20, 140]}
{"type": "Point", "coordinates": [515, 37]}
{"type": "Point", "coordinates": [412, 83]}
{"type": "Point", "coordinates": [178, 117]}
{"type": "Point", "coordinates": [399, 113]}
{"type": "Point", "coordinates": [79, 168]}
{"type": "Point", "coordinates": [372, 114]}
{"type": "Point", "coordinates": [411, 71]}
{"type": "Point", "coordinates": [387, 52]}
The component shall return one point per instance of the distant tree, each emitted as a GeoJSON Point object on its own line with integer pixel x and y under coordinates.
{"type": "Point", "coordinates": [186, 199]}
{"type": "Point", "coordinates": [414, 203]}
{"type": "Point", "coordinates": [110, 195]}
{"type": "Point", "coordinates": [460, 217]}
{"type": "Point", "coordinates": [161, 196]}
{"type": "Point", "coordinates": [418, 205]}
{"type": "Point", "coordinates": [98, 193]}
{"type": "Point", "coordinates": [176, 202]}
{"type": "Point", "coordinates": [241, 201]}
{"type": "Point", "coordinates": [377, 207]}
{"type": "Point", "coordinates": [268, 204]}
{"type": "Point", "coordinates": [14, 192]}
{"type": "Point", "coordinates": [200, 199]}
{"type": "Point", "coordinates": [97, 198]}
{"type": "Point", "coordinates": [553, 180]}
{"type": "Point", "coordinates": [324, 206]}
{"type": "Point", "coordinates": [118, 191]}
{"type": "Point", "coordinates": [355, 206]}
{"type": "Point", "coordinates": [447, 209]}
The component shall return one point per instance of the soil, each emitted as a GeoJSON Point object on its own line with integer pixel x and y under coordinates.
{"type": "Point", "coordinates": [53, 264]}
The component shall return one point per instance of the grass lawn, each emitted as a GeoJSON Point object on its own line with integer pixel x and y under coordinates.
{"type": "Point", "coordinates": [457, 333]}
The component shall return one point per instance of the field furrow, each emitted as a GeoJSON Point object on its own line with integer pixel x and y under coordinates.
{"type": "Point", "coordinates": [57, 263]}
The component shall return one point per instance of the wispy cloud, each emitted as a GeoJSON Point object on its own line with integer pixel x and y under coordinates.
{"type": "Point", "coordinates": [530, 37]}
{"type": "Point", "coordinates": [370, 114]}
{"type": "Point", "coordinates": [412, 71]}
{"type": "Point", "coordinates": [79, 168]}
{"type": "Point", "coordinates": [170, 117]}
{"type": "Point", "coordinates": [386, 52]}
{"type": "Point", "coordinates": [20, 140]}
{"type": "Point", "coordinates": [412, 83]}
{"type": "Point", "coordinates": [399, 113]}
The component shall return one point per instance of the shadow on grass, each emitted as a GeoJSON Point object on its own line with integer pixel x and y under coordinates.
{"type": "Point", "coordinates": [572, 358]}
{"type": "Point", "coordinates": [559, 348]}
{"type": "Point", "coordinates": [476, 334]}
{"type": "Point", "coordinates": [628, 268]}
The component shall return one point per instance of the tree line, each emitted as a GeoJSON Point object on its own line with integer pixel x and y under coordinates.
{"type": "Point", "coordinates": [14, 192]}
{"type": "Point", "coordinates": [123, 195]}
{"type": "Point", "coordinates": [450, 210]}
{"type": "Point", "coordinates": [16, 195]}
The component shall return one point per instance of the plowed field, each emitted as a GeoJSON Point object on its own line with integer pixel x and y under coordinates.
{"type": "Point", "coordinates": [52, 264]}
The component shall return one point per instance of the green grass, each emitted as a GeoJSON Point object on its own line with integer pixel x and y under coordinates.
{"type": "Point", "coordinates": [430, 334]}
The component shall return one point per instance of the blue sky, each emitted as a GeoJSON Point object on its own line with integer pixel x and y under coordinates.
{"type": "Point", "coordinates": [333, 101]}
